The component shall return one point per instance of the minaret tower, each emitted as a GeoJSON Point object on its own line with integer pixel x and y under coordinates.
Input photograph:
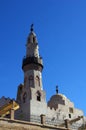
{"type": "Point", "coordinates": [31, 96]}
{"type": "Point", "coordinates": [32, 63]}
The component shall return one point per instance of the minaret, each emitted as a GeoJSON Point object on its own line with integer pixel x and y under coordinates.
{"type": "Point", "coordinates": [30, 96]}
{"type": "Point", "coordinates": [32, 63]}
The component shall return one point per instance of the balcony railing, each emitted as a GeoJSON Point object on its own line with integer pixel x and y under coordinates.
{"type": "Point", "coordinates": [29, 60]}
{"type": "Point", "coordinates": [55, 122]}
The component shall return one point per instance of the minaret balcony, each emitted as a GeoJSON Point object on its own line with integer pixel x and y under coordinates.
{"type": "Point", "coordinates": [32, 60]}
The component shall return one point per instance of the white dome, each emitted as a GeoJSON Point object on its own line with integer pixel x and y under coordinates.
{"type": "Point", "coordinates": [57, 99]}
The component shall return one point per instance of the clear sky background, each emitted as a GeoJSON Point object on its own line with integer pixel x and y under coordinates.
{"type": "Point", "coordinates": [60, 26]}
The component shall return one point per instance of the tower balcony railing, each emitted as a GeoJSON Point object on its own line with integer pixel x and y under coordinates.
{"type": "Point", "coordinates": [35, 60]}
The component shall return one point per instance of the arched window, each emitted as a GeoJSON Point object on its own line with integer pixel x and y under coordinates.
{"type": "Point", "coordinates": [37, 81]}
{"type": "Point", "coordinates": [30, 80]}
{"type": "Point", "coordinates": [38, 96]}
{"type": "Point", "coordinates": [33, 39]}
{"type": "Point", "coordinates": [24, 97]}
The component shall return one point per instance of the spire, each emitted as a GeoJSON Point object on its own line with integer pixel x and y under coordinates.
{"type": "Point", "coordinates": [32, 36]}
{"type": "Point", "coordinates": [31, 29]}
{"type": "Point", "coordinates": [57, 89]}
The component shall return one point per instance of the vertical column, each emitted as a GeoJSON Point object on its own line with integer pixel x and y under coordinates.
{"type": "Point", "coordinates": [12, 114]}
{"type": "Point", "coordinates": [12, 111]}
{"type": "Point", "coordinates": [66, 123]}
{"type": "Point", "coordinates": [43, 119]}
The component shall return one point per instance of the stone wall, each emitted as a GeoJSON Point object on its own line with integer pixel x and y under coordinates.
{"type": "Point", "coordinates": [7, 124]}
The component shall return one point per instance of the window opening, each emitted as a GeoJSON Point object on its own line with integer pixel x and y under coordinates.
{"type": "Point", "coordinates": [30, 80]}
{"type": "Point", "coordinates": [37, 81]}
{"type": "Point", "coordinates": [20, 88]}
{"type": "Point", "coordinates": [24, 97]}
{"type": "Point", "coordinates": [38, 96]}
{"type": "Point", "coordinates": [69, 115]}
{"type": "Point", "coordinates": [33, 39]}
{"type": "Point", "coordinates": [70, 109]}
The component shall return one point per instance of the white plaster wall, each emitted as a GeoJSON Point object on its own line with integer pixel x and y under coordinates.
{"type": "Point", "coordinates": [38, 108]}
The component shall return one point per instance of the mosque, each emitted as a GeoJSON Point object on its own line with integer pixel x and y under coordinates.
{"type": "Point", "coordinates": [31, 105]}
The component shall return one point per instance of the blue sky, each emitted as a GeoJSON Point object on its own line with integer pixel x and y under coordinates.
{"type": "Point", "coordinates": [60, 26]}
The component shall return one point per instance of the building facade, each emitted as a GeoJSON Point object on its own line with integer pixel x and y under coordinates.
{"type": "Point", "coordinates": [32, 98]}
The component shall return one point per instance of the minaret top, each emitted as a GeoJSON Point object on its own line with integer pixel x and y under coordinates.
{"type": "Point", "coordinates": [31, 29]}
{"type": "Point", "coordinates": [32, 51]}
{"type": "Point", "coordinates": [32, 36]}
{"type": "Point", "coordinates": [57, 89]}
{"type": "Point", "coordinates": [32, 48]}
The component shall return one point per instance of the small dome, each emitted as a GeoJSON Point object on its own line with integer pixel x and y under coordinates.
{"type": "Point", "coordinates": [57, 99]}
